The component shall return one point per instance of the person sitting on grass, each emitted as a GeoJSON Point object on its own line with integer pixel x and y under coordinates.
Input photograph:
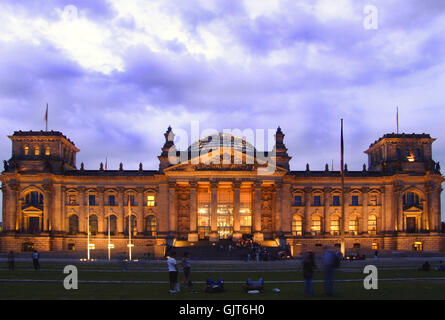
{"type": "Point", "coordinates": [440, 266]}
{"type": "Point", "coordinates": [214, 286]}
{"type": "Point", "coordinates": [254, 285]}
{"type": "Point", "coordinates": [425, 267]}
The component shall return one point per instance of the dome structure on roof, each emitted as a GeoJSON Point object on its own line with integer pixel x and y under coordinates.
{"type": "Point", "coordinates": [221, 140]}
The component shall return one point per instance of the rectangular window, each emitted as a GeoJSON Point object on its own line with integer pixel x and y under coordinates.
{"type": "Point", "coordinates": [297, 201]}
{"type": "Point", "coordinates": [336, 201]}
{"type": "Point", "coordinates": [150, 200]}
{"type": "Point", "coordinates": [317, 201]}
{"type": "Point", "coordinates": [353, 227]}
{"type": "Point", "coordinates": [92, 200]}
{"type": "Point", "coordinates": [335, 227]}
{"type": "Point", "coordinates": [111, 200]}
{"type": "Point", "coordinates": [354, 201]}
{"type": "Point", "coordinates": [131, 199]}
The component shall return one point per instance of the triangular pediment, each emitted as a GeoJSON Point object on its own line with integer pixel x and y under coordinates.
{"type": "Point", "coordinates": [31, 209]}
{"type": "Point", "coordinates": [224, 159]}
{"type": "Point", "coordinates": [413, 210]}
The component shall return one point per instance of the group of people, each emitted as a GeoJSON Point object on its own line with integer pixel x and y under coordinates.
{"type": "Point", "coordinates": [35, 260]}
{"type": "Point", "coordinates": [426, 266]}
{"type": "Point", "coordinates": [330, 261]}
{"type": "Point", "coordinates": [173, 271]}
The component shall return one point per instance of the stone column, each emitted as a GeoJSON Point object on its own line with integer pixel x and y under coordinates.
{"type": "Point", "coordinates": [172, 214]}
{"type": "Point", "coordinates": [140, 210]}
{"type": "Point", "coordinates": [82, 211]}
{"type": "Point", "coordinates": [399, 208]}
{"type": "Point", "coordinates": [47, 214]}
{"type": "Point", "coordinates": [236, 214]}
{"type": "Point", "coordinates": [286, 209]}
{"type": "Point", "coordinates": [278, 213]}
{"type": "Point", "coordinates": [193, 235]}
{"type": "Point", "coordinates": [364, 223]}
{"type": "Point", "coordinates": [120, 211]}
{"type": "Point", "coordinates": [62, 217]}
{"type": "Point", "coordinates": [214, 236]}
{"type": "Point", "coordinates": [14, 207]}
{"type": "Point", "coordinates": [327, 204]}
{"type": "Point", "coordinates": [388, 225]}
{"type": "Point", "coordinates": [257, 235]}
{"type": "Point", "coordinates": [101, 211]}
{"type": "Point", "coordinates": [347, 201]}
{"type": "Point", "coordinates": [307, 212]}
{"type": "Point", "coordinates": [56, 218]}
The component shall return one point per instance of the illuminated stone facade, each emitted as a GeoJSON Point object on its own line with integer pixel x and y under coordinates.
{"type": "Point", "coordinates": [394, 204]}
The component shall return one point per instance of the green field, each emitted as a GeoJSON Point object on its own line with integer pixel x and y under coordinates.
{"type": "Point", "coordinates": [109, 281]}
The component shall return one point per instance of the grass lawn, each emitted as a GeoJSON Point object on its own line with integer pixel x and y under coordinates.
{"type": "Point", "coordinates": [42, 288]}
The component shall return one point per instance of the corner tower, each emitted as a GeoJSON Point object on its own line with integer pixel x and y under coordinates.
{"type": "Point", "coordinates": [402, 153]}
{"type": "Point", "coordinates": [41, 151]}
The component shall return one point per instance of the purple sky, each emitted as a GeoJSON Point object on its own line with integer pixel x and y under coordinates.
{"type": "Point", "coordinates": [117, 73]}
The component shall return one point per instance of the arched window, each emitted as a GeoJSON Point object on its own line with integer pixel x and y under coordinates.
{"type": "Point", "coordinates": [36, 151]}
{"type": "Point", "coordinates": [93, 224]}
{"type": "Point", "coordinates": [34, 198]}
{"type": "Point", "coordinates": [73, 224]}
{"type": "Point", "coordinates": [150, 226]}
{"type": "Point", "coordinates": [111, 224]}
{"type": "Point", "coordinates": [372, 224]}
{"type": "Point", "coordinates": [26, 150]}
{"type": "Point", "coordinates": [297, 226]}
{"type": "Point", "coordinates": [133, 225]}
{"type": "Point", "coordinates": [316, 225]}
{"type": "Point", "coordinates": [410, 199]}
{"type": "Point", "coordinates": [335, 226]}
{"type": "Point", "coordinates": [353, 226]}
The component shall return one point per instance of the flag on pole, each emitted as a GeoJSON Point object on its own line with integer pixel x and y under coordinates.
{"type": "Point", "coordinates": [106, 167]}
{"type": "Point", "coordinates": [397, 120]}
{"type": "Point", "coordinates": [46, 118]}
{"type": "Point", "coordinates": [342, 149]}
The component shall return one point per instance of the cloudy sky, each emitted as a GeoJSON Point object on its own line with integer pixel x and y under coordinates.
{"type": "Point", "coordinates": [117, 73]}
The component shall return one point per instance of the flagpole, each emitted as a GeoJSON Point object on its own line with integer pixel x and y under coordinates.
{"type": "Point", "coordinates": [109, 240]}
{"type": "Point", "coordinates": [129, 229]}
{"type": "Point", "coordinates": [397, 119]}
{"type": "Point", "coordinates": [46, 117]}
{"type": "Point", "coordinates": [88, 230]}
{"type": "Point", "coordinates": [342, 223]}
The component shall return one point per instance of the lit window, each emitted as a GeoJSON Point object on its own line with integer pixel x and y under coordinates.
{"type": "Point", "coordinates": [297, 226]}
{"type": "Point", "coordinates": [26, 150]}
{"type": "Point", "coordinates": [36, 150]}
{"type": "Point", "coordinates": [373, 200]}
{"type": "Point", "coordinates": [375, 246]}
{"type": "Point", "coordinates": [372, 224]}
{"type": "Point", "coordinates": [47, 151]}
{"type": "Point", "coordinates": [335, 226]}
{"type": "Point", "coordinates": [316, 225]}
{"type": "Point", "coordinates": [150, 201]}
{"type": "Point", "coordinates": [353, 227]}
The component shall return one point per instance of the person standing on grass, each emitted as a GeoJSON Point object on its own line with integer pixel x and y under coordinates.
{"type": "Point", "coordinates": [187, 270]}
{"type": "Point", "coordinates": [35, 260]}
{"type": "Point", "coordinates": [308, 265]}
{"type": "Point", "coordinates": [330, 261]}
{"type": "Point", "coordinates": [172, 271]}
{"type": "Point", "coordinates": [11, 261]}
